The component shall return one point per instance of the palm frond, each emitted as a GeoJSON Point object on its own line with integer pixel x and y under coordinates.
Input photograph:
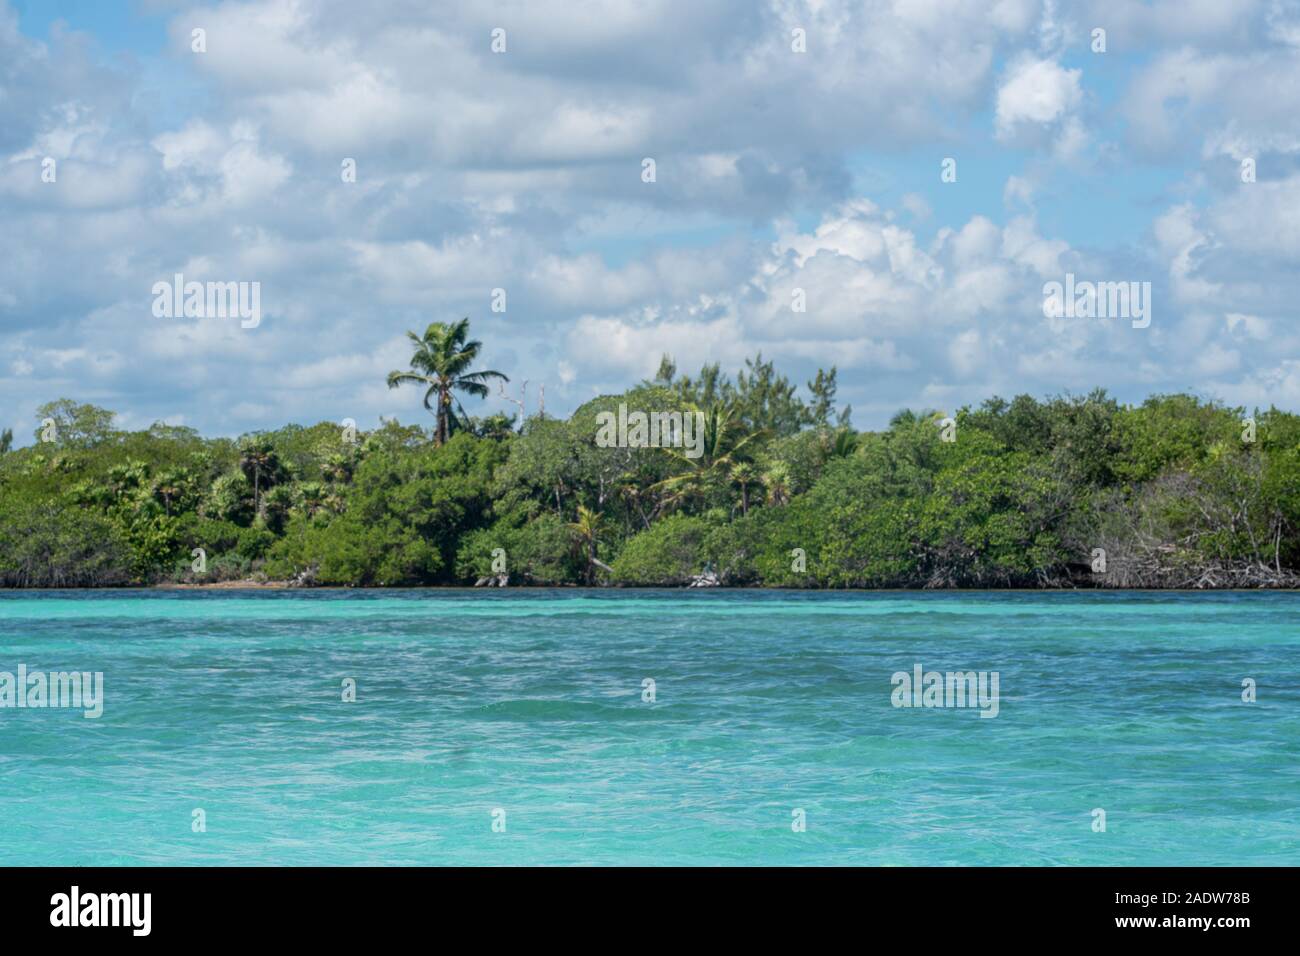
{"type": "Point", "coordinates": [406, 378]}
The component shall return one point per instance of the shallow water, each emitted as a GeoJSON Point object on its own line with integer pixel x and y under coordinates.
{"type": "Point", "coordinates": [766, 702]}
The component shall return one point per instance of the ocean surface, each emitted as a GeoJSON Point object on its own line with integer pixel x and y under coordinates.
{"type": "Point", "coordinates": [515, 727]}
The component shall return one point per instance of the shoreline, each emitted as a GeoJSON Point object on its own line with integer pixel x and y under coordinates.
{"type": "Point", "coordinates": [290, 586]}
{"type": "Point", "coordinates": [209, 586]}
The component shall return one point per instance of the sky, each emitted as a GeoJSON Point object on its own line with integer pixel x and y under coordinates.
{"type": "Point", "coordinates": [799, 152]}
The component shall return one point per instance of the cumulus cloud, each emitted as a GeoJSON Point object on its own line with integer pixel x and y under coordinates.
{"type": "Point", "coordinates": [1039, 96]}
{"type": "Point", "coordinates": [521, 171]}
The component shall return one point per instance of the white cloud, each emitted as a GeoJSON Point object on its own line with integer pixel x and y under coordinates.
{"type": "Point", "coordinates": [1037, 92]}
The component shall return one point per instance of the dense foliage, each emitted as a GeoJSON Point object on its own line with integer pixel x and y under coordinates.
{"type": "Point", "coordinates": [1073, 490]}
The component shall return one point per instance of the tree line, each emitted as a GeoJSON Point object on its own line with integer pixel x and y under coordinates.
{"type": "Point", "coordinates": [1066, 491]}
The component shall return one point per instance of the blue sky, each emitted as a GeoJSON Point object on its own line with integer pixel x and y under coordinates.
{"type": "Point", "coordinates": [116, 25]}
{"type": "Point", "coordinates": [776, 170]}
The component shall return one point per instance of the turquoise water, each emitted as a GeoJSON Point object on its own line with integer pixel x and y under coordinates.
{"type": "Point", "coordinates": [766, 702]}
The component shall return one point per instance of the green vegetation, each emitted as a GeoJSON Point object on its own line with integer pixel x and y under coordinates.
{"type": "Point", "coordinates": [1177, 492]}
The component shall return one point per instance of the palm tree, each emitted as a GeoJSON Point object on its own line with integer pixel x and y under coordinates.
{"type": "Point", "coordinates": [777, 483]}
{"type": "Point", "coordinates": [725, 445]}
{"type": "Point", "coordinates": [744, 475]}
{"type": "Point", "coordinates": [170, 487]}
{"type": "Point", "coordinates": [338, 468]}
{"type": "Point", "coordinates": [440, 363]}
{"type": "Point", "coordinates": [258, 460]}
{"type": "Point", "coordinates": [843, 443]}
{"type": "Point", "coordinates": [587, 532]}
{"type": "Point", "coordinates": [312, 497]}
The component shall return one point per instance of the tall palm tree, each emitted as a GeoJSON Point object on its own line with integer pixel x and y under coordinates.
{"type": "Point", "coordinates": [587, 532]}
{"type": "Point", "coordinates": [258, 461]}
{"type": "Point", "coordinates": [744, 475]}
{"type": "Point", "coordinates": [440, 364]}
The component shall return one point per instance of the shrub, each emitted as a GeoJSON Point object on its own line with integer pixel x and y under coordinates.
{"type": "Point", "coordinates": [667, 554]}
